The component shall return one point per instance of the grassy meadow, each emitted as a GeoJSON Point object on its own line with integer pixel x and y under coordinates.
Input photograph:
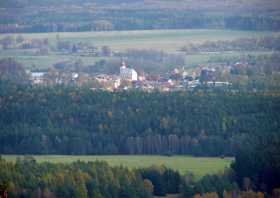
{"type": "Point", "coordinates": [167, 40]}
{"type": "Point", "coordinates": [206, 58]}
{"type": "Point", "coordinates": [199, 166]}
{"type": "Point", "coordinates": [45, 61]}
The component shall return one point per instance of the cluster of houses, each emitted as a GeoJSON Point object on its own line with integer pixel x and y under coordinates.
{"type": "Point", "coordinates": [128, 78]}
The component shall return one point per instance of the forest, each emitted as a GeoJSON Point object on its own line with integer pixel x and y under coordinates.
{"type": "Point", "coordinates": [77, 120]}
{"type": "Point", "coordinates": [69, 119]}
{"type": "Point", "coordinates": [242, 44]}
{"type": "Point", "coordinates": [76, 16]}
{"type": "Point", "coordinates": [254, 174]}
{"type": "Point", "coordinates": [65, 119]}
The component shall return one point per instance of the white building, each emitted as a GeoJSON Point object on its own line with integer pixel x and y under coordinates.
{"type": "Point", "coordinates": [128, 73]}
{"type": "Point", "coordinates": [219, 84]}
{"type": "Point", "coordinates": [37, 77]}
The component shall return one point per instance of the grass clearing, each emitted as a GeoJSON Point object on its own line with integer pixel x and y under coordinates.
{"type": "Point", "coordinates": [199, 166]}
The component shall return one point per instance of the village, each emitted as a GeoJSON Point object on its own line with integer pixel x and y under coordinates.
{"type": "Point", "coordinates": [124, 77]}
{"type": "Point", "coordinates": [177, 79]}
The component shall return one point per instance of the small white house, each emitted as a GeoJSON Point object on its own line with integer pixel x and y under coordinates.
{"type": "Point", "coordinates": [117, 83]}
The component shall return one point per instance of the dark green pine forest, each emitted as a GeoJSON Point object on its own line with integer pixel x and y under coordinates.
{"type": "Point", "coordinates": [254, 174]}
{"type": "Point", "coordinates": [97, 15]}
{"type": "Point", "coordinates": [75, 120]}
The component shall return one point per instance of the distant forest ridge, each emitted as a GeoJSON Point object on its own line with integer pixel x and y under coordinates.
{"type": "Point", "coordinates": [75, 16]}
{"type": "Point", "coordinates": [59, 120]}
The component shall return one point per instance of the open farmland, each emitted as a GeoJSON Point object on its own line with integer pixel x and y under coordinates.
{"type": "Point", "coordinates": [167, 40]}
{"type": "Point", "coordinates": [193, 60]}
{"type": "Point", "coordinates": [45, 61]}
{"type": "Point", "coordinates": [199, 166]}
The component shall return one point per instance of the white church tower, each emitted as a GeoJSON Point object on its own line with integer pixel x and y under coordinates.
{"type": "Point", "coordinates": [127, 74]}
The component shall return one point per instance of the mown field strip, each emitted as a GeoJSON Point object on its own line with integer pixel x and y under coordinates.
{"type": "Point", "coordinates": [199, 166]}
{"type": "Point", "coordinates": [168, 40]}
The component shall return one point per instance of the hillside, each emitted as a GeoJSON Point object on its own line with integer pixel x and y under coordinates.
{"type": "Point", "coordinates": [65, 120]}
{"type": "Point", "coordinates": [70, 15]}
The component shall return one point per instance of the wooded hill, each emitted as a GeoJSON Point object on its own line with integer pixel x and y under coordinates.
{"type": "Point", "coordinates": [70, 15]}
{"type": "Point", "coordinates": [69, 120]}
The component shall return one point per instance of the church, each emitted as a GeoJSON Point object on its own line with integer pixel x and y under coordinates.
{"type": "Point", "coordinates": [127, 74]}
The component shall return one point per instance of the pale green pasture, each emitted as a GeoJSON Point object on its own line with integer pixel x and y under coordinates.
{"type": "Point", "coordinates": [208, 58]}
{"type": "Point", "coordinates": [46, 61]}
{"type": "Point", "coordinates": [168, 40]}
{"type": "Point", "coordinates": [43, 62]}
{"type": "Point", "coordinates": [199, 166]}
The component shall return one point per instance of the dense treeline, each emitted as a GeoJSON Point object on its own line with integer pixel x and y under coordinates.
{"type": "Point", "coordinates": [27, 178]}
{"type": "Point", "coordinates": [269, 43]}
{"type": "Point", "coordinates": [162, 179]}
{"type": "Point", "coordinates": [252, 72]}
{"type": "Point", "coordinates": [69, 120]}
{"type": "Point", "coordinates": [257, 163]}
{"type": "Point", "coordinates": [253, 174]}
{"type": "Point", "coordinates": [117, 18]}
{"type": "Point", "coordinates": [140, 20]}
{"type": "Point", "coordinates": [97, 15]}
{"type": "Point", "coordinates": [146, 61]}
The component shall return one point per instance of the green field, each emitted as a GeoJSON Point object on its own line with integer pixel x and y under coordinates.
{"type": "Point", "coordinates": [210, 58]}
{"type": "Point", "coordinates": [45, 61]}
{"type": "Point", "coordinates": [198, 165]}
{"type": "Point", "coordinates": [167, 40]}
